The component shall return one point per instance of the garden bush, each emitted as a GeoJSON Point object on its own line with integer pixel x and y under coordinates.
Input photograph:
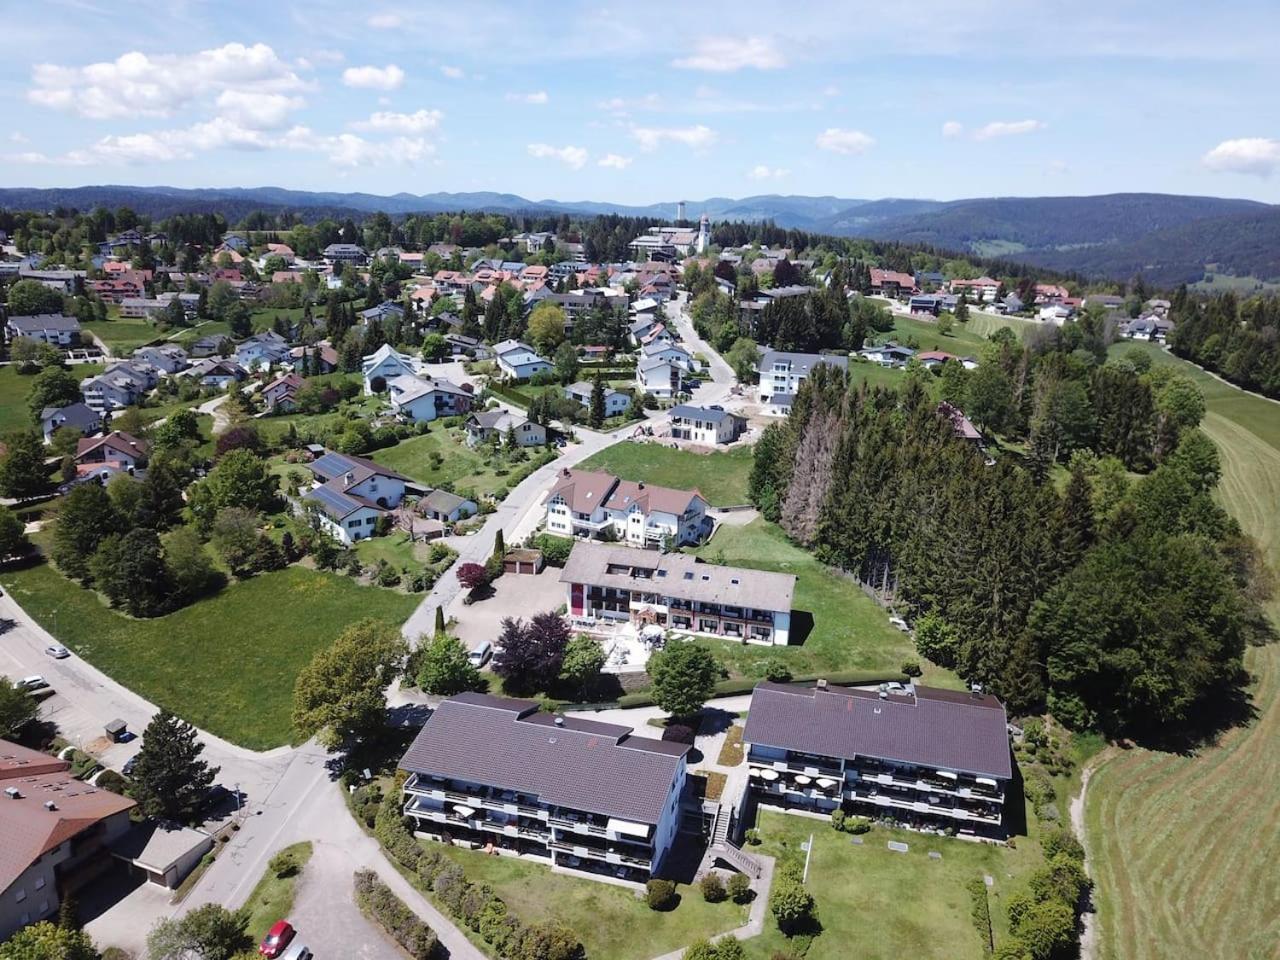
{"type": "Point", "coordinates": [739, 888]}
{"type": "Point", "coordinates": [377, 901]}
{"type": "Point", "coordinates": [660, 894]}
{"type": "Point", "coordinates": [712, 887]}
{"type": "Point", "coordinates": [284, 864]}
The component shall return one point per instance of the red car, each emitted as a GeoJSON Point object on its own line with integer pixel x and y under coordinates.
{"type": "Point", "coordinates": [277, 939]}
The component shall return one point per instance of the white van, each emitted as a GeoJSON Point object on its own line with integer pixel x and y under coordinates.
{"type": "Point", "coordinates": [480, 653]}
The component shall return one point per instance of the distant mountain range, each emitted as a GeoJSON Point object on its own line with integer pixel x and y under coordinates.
{"type": "Point", "coordinates": [1168, 238]}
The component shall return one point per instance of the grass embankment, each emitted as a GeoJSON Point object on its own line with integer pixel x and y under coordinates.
{"type": "Point", "coordinates": [720, 476]}
{"type": "Point", "coordinates": [272, 898]}
{"type": "Point", "coordinates": [226, 663]}
{"type": "Point", "coordinates": [123, 335]}
{"type": "Point", "coordinates": [876, 904]}
{"type": "Point", "coordinates": [613, 922]}
{"type": "Point", "coordinates": [1182, 846]}
{"type": "Point", "coordinates": [15, 388]}
{"type": "Point", "coordinates": [443, 457]}
{"type": "Point", "coordinates": [834, 625]}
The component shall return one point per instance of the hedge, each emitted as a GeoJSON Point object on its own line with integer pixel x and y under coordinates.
{"type": "Point", "coordinates": [376, 901]}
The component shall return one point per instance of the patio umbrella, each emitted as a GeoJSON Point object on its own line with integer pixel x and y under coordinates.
{"type": "Point", "coordinates": [463, 810]}
{"type": "Point", "coordinates": [803, 780]}
{"type": "Point", "coordinates": [769, 774]}
{"type": "Point", "coordinates": [826, 783]}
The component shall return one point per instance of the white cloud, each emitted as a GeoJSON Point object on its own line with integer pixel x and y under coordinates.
{"type": "Point", "coordinates": [453, 73]}
{"type": "Point", "coordinates": [139, 84]}
{"type": "Point", "coordinates": [389, 77]}
{"type": "Point", "coordinates": [831, 91]}
{"type": "Point", "coordinates": [385, 21]}
{"type": "Point", "coordinates": [762, 172]}
{"type": "Point", "coordinates": [575, 158]}
{"type": "Point", "coordinates": [844, 141]}
{"type": "Point", "coordinates": [698, 137]}
{"type": "Point", "coordinates": [621, 106]}
{"type": "Point", "coordinates": [259, 111]}
{"type": "Point", "coordinates": [18, 137]}
{"type": "Point", "coordinates": [1007, 128]}
{"type": "Point", "coordinates": [420, 121]}
{"type": "Point", "coordinates": [952, 129]}
{"type": "Point", "coordinates": [615, 160]}
{"type": "Point", "coordinates": [537, 97]}
{"type": "Point", "coordinates": [727, 54]}
{"type": "Point", "coordinates": [1259, 156]}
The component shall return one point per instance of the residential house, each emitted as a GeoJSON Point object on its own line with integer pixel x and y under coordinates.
{"type": "Point", "coordinates": [963, 426]}
{"type": "Point", "coordinates": [211, 372]}
{"type": "Point", "coordinates": [1011, 304]}
{"type": "Point", "coordinates": [518, 361]}
{"type": "Point", "coordinates": [657, 349]}
{"type": "Point", "coordinates": [387, 310]}
{"type": "Point", "coordinates": [706, 425]}
{"type": "Point", "coordinates": [210, 346]}
{"type": "Point", "coordinates": [351, 494]}
{"type": "Point", "coordinates": [76, 416]}
{"type": "Point", "coordinates": [892, 283]}
{"type": "Point", "coordinates": [615, 402]}
{"type": "Point", "coordinates": [384, 365]}
{"type": "Point", "coordinates": [424, 399]}
{"type": "Point", "coordinates": [640, 328]}
{"type": "Point", "coordinates": [1108, 301]}
{"type": "Point", "coordinates": [168, 358]}
{"type": "Point", "coordinates": [888, 354]}
{"type": "Point", "coordinates": [281, 394]}
{"type": "Point", "coordinates": [190, 302]}
{"type": "Point", "coordinates": [922, 756]}
{"type": "Point", "coordinates": [460, 346]}
{"type": "Point", "coordinates": [119, 287]}
{"type": "Point", "coordinates": [120, 385]}
{"type": "Point", "coordinates": [502, 774]}
{"type": "Point", "coordinates": [53, 328]}
{"type": "Point", "coordinates": [124, 450]}
{"type": "Point", "coordinates": [321, 357]}
{"type": "Point", "coordinates": [781, 374]}
{"type": "Point", "coordinates": [1048, 292]}
{"type": "Point", "coordinates": [262, 351]}
{"type": "Point", "coordinates": [447, 507]}
{"type": "Point", "coordinates": [660, 378]}
{"type": "Point", "coordinates": [345, 253]}
{"type": "Point", "coordinates": [586, 503]}
{"type": "Point", "coordinates": [486, 425]}
{"type": "Point", "coordinates": [983, 288]}
{"type": "Point", "coordinates": [1055, 313]}
{"type": "Point", "coordinates": [63, 281]}
{"type": "Point", "coordinates": [57, 830]}
{"type": "Point", "coordinates": [678, 592]}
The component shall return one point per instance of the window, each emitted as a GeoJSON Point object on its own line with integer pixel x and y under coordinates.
{"type": "Point", "coordinates": [20, 895]}
{"type": "Point", "coordinates": [39, 883]}
{"type": "Point", "coordinates": [351, 524]}
{"type": "Point", "coordinates": [371, 521]}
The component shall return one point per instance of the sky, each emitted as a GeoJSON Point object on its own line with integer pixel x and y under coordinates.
{"type": "Point", "coordinates": [643, 103]}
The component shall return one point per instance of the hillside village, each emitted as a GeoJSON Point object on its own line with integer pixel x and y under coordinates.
{"type": "Point", "coordinates": [602, 536]}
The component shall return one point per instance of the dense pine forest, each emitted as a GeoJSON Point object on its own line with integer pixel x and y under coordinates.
{"type": "Point", "coordinates": [1122, 603]}
{"type": "Point", "coordinates": [1239, 339]}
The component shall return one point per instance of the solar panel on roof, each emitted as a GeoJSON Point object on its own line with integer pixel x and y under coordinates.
{"type": "Point", "coordinates": [337, 502]}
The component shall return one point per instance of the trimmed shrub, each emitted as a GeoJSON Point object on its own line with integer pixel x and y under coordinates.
{"type": "Point", "coordinates": [660, 895]}
{"type": "Point", "coordinates": [376, 901]}
{"type": "Point", "coordinates": [284, 864]}
{"type": "Point", "coordinates": [712, 887]}
{"type": "Point", "coordinates": [739, 887]}
{"type": "Point", "coordinates": [111, 781]}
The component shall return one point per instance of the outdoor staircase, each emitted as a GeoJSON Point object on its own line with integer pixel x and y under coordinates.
{"type": "Point", "coordinates": [723, 848]}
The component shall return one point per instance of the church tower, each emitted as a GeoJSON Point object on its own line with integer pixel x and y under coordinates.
{"type": "Point", "coordinates": [704, 234]}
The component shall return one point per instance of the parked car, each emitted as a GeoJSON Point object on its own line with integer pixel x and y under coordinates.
{"type": "Point", "coordinates": [277, 938]}
{"type": "Point", "coordinates": [480, 653]}
{"type": "Point", "coordinates": [57, 651]}
{"type": "Point", "coordinates": [297, 951]}
{"type": "Point", "coordinates": [130, 765]}
{"type": "Point", "coordinates": [35, 682]}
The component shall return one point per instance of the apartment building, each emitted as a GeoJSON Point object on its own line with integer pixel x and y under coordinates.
{"type": "Point", "coordinates": [925, 757]}
{"type": "Point", "coordinates": [586, 503]}
{"type": "Point", "coordinates": [498, 774]}
{"type": "Point", "coordinates": [782, 373]}
{"type": "Point", "coordinates": [676, 591]}
{"type": "Point", "coordinates": [706, 425]}
{"type": "Point", "coordinates": [52, 328]}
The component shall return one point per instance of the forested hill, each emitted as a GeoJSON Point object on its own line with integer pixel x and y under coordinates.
{"type": "Point", "coordinates": [1168, 238]}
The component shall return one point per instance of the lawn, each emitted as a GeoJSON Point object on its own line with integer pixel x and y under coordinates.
{"type": "Point", "coordinates": [272, 897]}
{"type": "Point", "coordinates": [849, 630]}
{"type": "Point", "coordinates": [613, 923]}
{"type": "Point", "coordinates": [721, 476]}
{"type": "Point", "coordinates": [457, 464]}
{"type": "Point", "coordinates": [1174, 878]}
{"type": "Point", "coordinates": [227, 663]}
{"type": "Point", "coordinates": [15, 387]}
{"type": "Point", "coordinates": [876, 904]}
{"type": "Point", "coordinates": [122, 335]}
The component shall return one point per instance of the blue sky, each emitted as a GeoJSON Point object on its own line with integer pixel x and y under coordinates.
{"type": "Point", "coordinates": [641, 103]}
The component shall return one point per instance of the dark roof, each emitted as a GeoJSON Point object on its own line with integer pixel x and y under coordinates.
{"type": "Point", "coordinates": [801, 363]}
{"type": "Point", "coordinates": [944, 729]}
{"type": "Point", "coordinates": [689, 412]}
{"type": "Point", "coordinates": [583, 765]}
{"type": "Point", "coordinates": [45, 321]}
{"type": "Point", "coordinates": [334, 464]}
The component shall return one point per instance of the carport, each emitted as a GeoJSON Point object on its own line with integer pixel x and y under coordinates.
{"type": "Point", "coordinates": [164, 853]}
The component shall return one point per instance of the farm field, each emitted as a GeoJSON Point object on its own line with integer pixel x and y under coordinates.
{"type": "Point", "coordinates": [1182, 847]}
{"type": "Point", "coordinates": [878, 904]}
{"type": "Point", "coordinates": [720, 476]}
{"type": "Point", "coordinates": [226, 663]}
{"type": "Point", "coordinates": [849, 630]}
{"type": "Point", "coordinates": [613, 922]}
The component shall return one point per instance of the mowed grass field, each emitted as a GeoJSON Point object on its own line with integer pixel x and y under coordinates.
{"type": "Point", "coordinates": [1183, 848]}
{"type": "Point", "coordinates": [613, 922]}
{"type": "Point", "coordinates": [15, 388]}
{"type": "Point", "coordinates": [877, 904]}
{"type": "Point", "coordinates": [720, 476]}
{"type": "Point", "coordinates": [227, 663]}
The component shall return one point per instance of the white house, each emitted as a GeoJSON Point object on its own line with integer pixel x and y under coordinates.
{"type": "Point", "coordinates": [705, 425]}
{"type": "Point", "coordinates": [782, 373]}
{"type": "Point", "coordinates": [385, 364]}
{"type": "Point", "coordinates": [585, 503]}
{"type": "Point", "coordinates": [1054, 313]}
{"type": "Point", "coordinates": [888, 355]}
{"type": "Point", "coordinates": [53, 328]}
{"type": "Point", "coordinates": [615, 402]}
{"type": "Point", "coordinates": [660, 349]}
{"type": "Point", "coordinates": [120, 385]}
{"type": "Point", "coordinates": [661, 378]}
{"type": "Point", "coordinates": [517, 360]}
{"type": "Point", "coordinates": [75, 416]}
{"type": "Point", "coordinates": [168, 358]}
{"type": "Point", "coordinates": [489, 423]}
{"type": "Point", "coordinates": [351, 493]}
{"type": "Point", "coordinates": [421, 399]}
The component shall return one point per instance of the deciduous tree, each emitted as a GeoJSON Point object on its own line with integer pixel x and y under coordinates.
{"type": "Point", "coordinates": [341, 694]}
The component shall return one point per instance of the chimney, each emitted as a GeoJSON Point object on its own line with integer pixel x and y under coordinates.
{"type": "Point", "coordinates": [822, 684]}
{"type": "Point", "coordinates": [351, 479]}
{"type": "Point", "coordinates": [976, 690]}
{"type": "Point", "coordinates": [50, 805]}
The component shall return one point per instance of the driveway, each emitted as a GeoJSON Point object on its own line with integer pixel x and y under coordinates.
{"type": "Point", "coordinates": [515, 595]}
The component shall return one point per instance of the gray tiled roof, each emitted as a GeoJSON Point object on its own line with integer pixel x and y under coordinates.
{"type": "Point", "coordinates": [944, 729]}
{"type": "Point", "coordinates": [801, 363]}
{"type": "Point", "coordinates": [584, 765]}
